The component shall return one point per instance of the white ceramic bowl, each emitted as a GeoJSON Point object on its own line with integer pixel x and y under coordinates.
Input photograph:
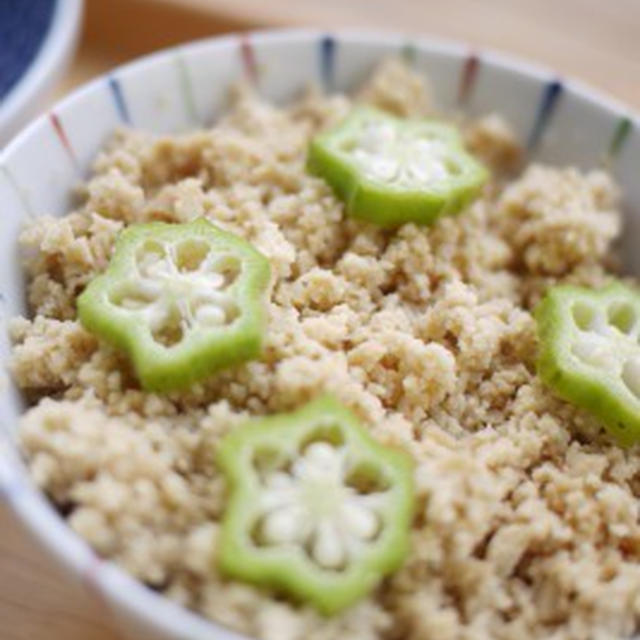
{"type": "Point", "coordinates": [26, 97]}
{"type": "Point", "coordinates": [557, 120]}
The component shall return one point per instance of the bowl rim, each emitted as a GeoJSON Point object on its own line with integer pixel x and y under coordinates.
{"type": "Point", "coordinates": [111, 583]}
{"type": "Point", "coordinates": [492, 56]}
{"type": "Point", "coordinates": [46, 67]}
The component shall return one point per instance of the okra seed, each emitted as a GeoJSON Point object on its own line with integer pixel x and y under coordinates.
{"type": "Point", "coordinates": [328, 549]}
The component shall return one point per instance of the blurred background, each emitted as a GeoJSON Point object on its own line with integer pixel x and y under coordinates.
{"type": "Point", "coordinates": [593, 40]}
{"type": "Point", "coordinates": [590, 39]}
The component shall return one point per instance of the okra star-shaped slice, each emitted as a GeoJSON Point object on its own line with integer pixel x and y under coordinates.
{"type": "Point", "coordinates": [183, 300]}
{"type": "Point", "coordinates": [390, 171]}
{"type": "Point", "coordinates": [590, 353]}
{"type": "Point", "coordinates": [317, 508]}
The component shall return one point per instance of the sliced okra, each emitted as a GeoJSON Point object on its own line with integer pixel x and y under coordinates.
{"type": "Point", "coordinates": [183, 300]}
{"type": "Point", "coordinates": [390, 171]}
{"type": "Point", "coordinates": [317, 508]}
{"type": "Point", "coordinates": [590, 353]}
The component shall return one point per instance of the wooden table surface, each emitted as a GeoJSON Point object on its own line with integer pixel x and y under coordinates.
{"type": "Point", "coordinates": [590, 39]}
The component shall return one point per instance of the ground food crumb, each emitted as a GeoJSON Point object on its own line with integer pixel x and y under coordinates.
{"type": "Point", "coordinates": [527, 522]}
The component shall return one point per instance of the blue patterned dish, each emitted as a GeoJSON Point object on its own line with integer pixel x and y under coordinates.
{"type": "Point", "coordinates": [23, 28]}
{"type": "Point", "coordinates": [36, 38]}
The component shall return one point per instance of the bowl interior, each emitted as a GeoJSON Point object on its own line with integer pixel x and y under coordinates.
{"type": "Point", "coordinates": [557, 121]}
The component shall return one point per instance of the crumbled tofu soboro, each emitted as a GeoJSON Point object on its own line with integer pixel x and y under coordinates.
{"type": "Point", "coordinates": [526, 522]}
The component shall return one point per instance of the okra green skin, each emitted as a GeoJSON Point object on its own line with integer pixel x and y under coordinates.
{"type": "Point", "coordinates": [290, 570]}
{"type": "Point", "coordinates": [383, 204]}
{"type": "Point", "coordinates": [205, 350]}
{"type": "Point", "coordinates": [602, 393]}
